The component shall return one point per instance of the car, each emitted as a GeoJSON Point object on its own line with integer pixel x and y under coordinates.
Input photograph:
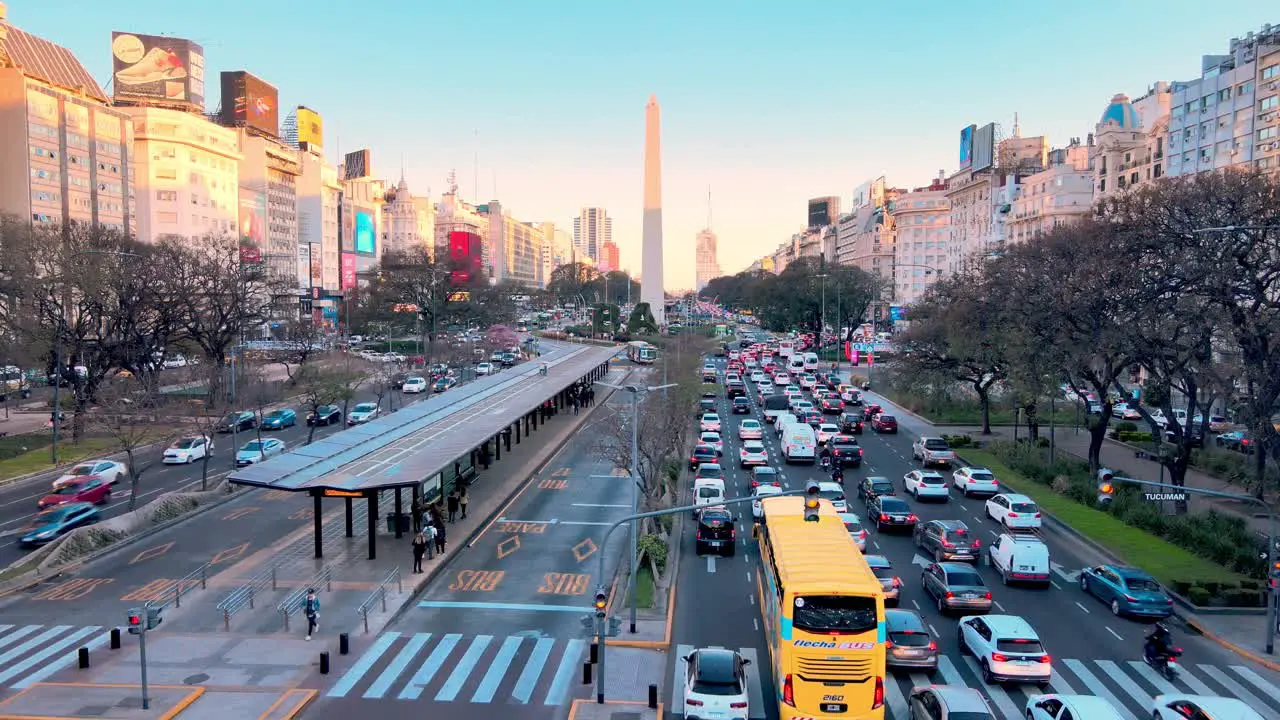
{"type": "Point", "coordinates": [715, 531]}
{"type": "Point", "coordinates": [851, 424]}
{"type": "Point", "coordinates": [888, 511]}
{"type": "Point", "coordinates": [845, 451]}
{"type": "Point", "coordinates": [972, 481]}
{"type": "Point", "coordinates": [926, 484]}
{"type": "Point", "coordinates": [741, 406]}
{"type": "Point", "coordinates": [1073, 707]}
{"type": "Point", "coordinates": [885, 424]}
{"type": "Point", "coordinates": [57, 521]}
{"type": "Point", "coordinates": [735, 389]}
{"type": "Point", "coordinates": [715, 684]}
{"type": "Point", "coordinates": [826, 431]}
{"type": "Point", "coordinates": [750, 430]}
{"type": "Point", "coordinates": [853, 524]}
{"type": "Point", "coordinates": [908, 644]}
{"type": "Point", "coordinates": [710, 422]}
{"type": "Point", "coordinates": [874, 486]}
{"type": "Point", "coordinates": [1013, 511]}
{"type": "Point", "coordinates": [871, 410]}
{"type": "Point", "coordinates": [759, 493]}
{"type": "Point", "coordinates": [948, 702]}
{"type": "Point", "coordinates": [831, 405]}
{"type": "Point", "coordinates": [955, 586]}
{"type": "Point", "coordinates": [1020, 557]}
{"type": "Point", "coordinates": [89, 489]}
{"type": "Point", "coordinates": [1200, 707]}
{"type": "Point", "coordinates": [782, 379]}
{"type": "Point", "coordinates": [800, 406]}
{"type": "Point", "coordinates": [1237, 440]}
{"type": "Point", "coordinates": [1006, 647]}
{"type": "Point", "coordinates": [933, 451]}
{"type": "Point", "coordinates": [833, 493]}
{"type": "Point", "coordinates": [236, 422]}
{"type": "Point", "coordinates": [187, 450]}
{"type": "Point", "coordinates": [443, 383]}
{"type": "Point", "coordinates": [812, 418]}
{"type": "Point", "coordinates": [363, 413]}
{"type": "Point", "coordinates": [751, 453]}
{"type": "Point", "coordinates": [711, 471]}
{"type": "Point", "coordinates": [765, 475]}
{"type": "Point", "coordinates": [325, 415]}
{"type": "Point", "coordinates": [110, 470]}
{"type": "Point", "coordinates": [703, 453]}
{"type": "Point", "coordinates": [851, 396]}
{"type": "Point", "coordinates": [1127, 591]}
{"type": "Point", "coordinates": [712, 439]}
{"type": "Point", "coordinates": [414, 384]}
{"type": "Point", "coordinates": [766, 388]}
{"type": "Point", "coordinates": [256, 451]}
{"type": "Point", "coordinates": [279, 419]}
{"type": "Point", "coordinates": [485, 368]}
{"type": "Point", "coordinates": [758, 376]}
{"type": "Point", "coordinates": [890, 583]}
{"type": "Point", "coordinates": [947, 540]}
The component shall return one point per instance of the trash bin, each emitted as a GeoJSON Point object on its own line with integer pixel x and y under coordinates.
{"type": "Point", "coordinates": [405, 522]}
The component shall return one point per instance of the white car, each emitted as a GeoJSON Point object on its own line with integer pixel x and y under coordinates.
{"type": "Point", "coordinates": [715, 684]}
{"type": "Point", "coordinates": [1014, 511]}
{"type": "Point", "coordinates": [1181, 707]}
{"type": "Point", "coordinates": [750, 430]}
{"type": "Point", "coordinates": [753, 453]}
{"type": "Point", "coordinates": [712, 439]}
{"type": "Point", "coordinates": [975, 481]}
{"type": "Point", "coordinates": [762, 491]}
{"type": "Point", "coordinates": [758, 376]}
{"type": "Point", "coordinates": [414, 385]}
{"type": "Point", "coordinates": [1007, 649]}
{"type": "Point", "coordinates": [853, 524]}
{"type": "Point", "coordinates": [922, 484]}
{"type": "Point", "coordinates": [765, 387]}
{"type": "Point", "coordinates": [188, 450]}
{"type": "Point", "coordinates": [833, 492]}
{"type": "Point", "coordinates": [362, 413]}
{"type": "Point", "coordinates": [484, 368]}
{"type": "Point", "coordinates": [1074, 707]}
{"type": "Point", "coordinates": [826, 431]}
{"type": "Point", "coordinates": [110, 470]}
{"type": "Point", "coordinates": [710, 422]}
{"type": "Point", "coordinates": [255, 451]}
{"type": "Point", "coordinates": [808, 381]}
{"type": "Point", "coordinates": [782, 379]}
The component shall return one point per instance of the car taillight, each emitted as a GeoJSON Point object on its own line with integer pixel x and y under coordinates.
{"type": "Point", "coordinates": [1037, 516]}
{"type": "Point", "coordinates": [912, 518]}
{"type": "Point", "coordinates": [788, 691]}
{"type": "Point", "coordinates": [1045, 659]}
{"type": "Point", "coordinates": [897, 582]}
{"type": "Point", "coordinates": [988, 596]}
{"type": "Point", "coordinates": [859, 452]}
{"type": "Point", "coordinates": [1013, 514]}
{"type": "Point", "coordinates": [697, 535]}
{"type": "Point", "coordinates": [947, 544]}
{"type": "Point", "coordinates": [950, 594]}
{"type": "Point", "coordinates": [972, 481]}
{"type": "Point", "coordinates": [999, 657]}
{"type": "Point", "coordinates": [977, 544]}
{"type": "Point", "coordinates": [862, 535]}
{"type": "Point", "coordinates": [878, 700]}
{"type": "Point", "coordinates": [733, 534]}
{"type": "Point", "coordinates": [888, 644]}
{"type": "Point", "coordinates": [695, 703]}
{"type": "Point", "coordinates": [738, 705]}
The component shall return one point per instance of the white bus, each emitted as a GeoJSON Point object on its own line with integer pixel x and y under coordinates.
{"type": "Point", "coordinates": [641, 352]}
{"type": "Point", "coordinates": [786, 347]}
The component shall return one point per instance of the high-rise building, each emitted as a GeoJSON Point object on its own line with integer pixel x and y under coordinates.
{"type": "Point", "coordinates": [515, 247]}
{"type": "Point", "coordinates": [706, 268]}
{"type": "Point", "coordinates": [453, 214]}
{"type": "Point", "coordinates": [921, 231]}
{"type": "Point", "coordinates": [65, 154]}
{"type": "Point", "coordinates": [319, 197]}
{"type": "Point", "coordinates": [824, 211]}
{"type": "Point", "coordinates": [269, 172]}
{"type": "Point", "coordinates": [591, 230]}
{"type": "Point", "coordinates": [610, 260]}
{"type": "Point", "coordinates": [1129, 142]}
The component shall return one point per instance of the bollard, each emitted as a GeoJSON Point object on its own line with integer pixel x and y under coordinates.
{"type": "Point", "coordinates": [115, 638]}
{"type": "Point", "coordinates": [594, 654]}
{"type": "Point", "coordinates": [586, 673]}
{"type": "Point", "coordinates": [83, 654]}
{"type": "Point", "coordinates": [324, 663]}
{"type": "Point", "coordinates": [344, 644]}
{"type": "Point", "coordinates": [653, 696]}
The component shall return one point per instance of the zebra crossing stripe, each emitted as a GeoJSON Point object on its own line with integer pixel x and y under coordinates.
{"type": "Point", "coordinates": [58, 664]}
{"type": "Point", "coordinates": [449, 691]}
{"type": "Point", "coordinates": [1096, 687]}
{"type": "Point", "coordinates": [533, 670]}
{"type": "Point", "coordinates": [1059, 684]}
{"type": "Point", "coordinates": [997, 695]}
{"type": "Point", "coordinates": [1199, 688]}
{"type": "Point", "coordinates": [568, 662]}
{"type": "Point", "coordinates": [404, 657]}
{"type": "Point", "coordinates": [15, 637]}
{"type": "Point", "coordinates": [44, 654]}
{"type": "Point", "coordinates": [489, 684]}
{"type": "Point", "coordinates": [950, 676]}
{"type": "Point", "coordinates": [1232, 686]}
{"type": "Point", "coordinates": [894, 698]}
{"type": "Point", "coordinates": [1130, 687]}
{"type": "Point", "coordinates": [366, 661]}
{"type": "Point", "coordinates": [429, 667]}
{"type": "Point", "coordinates": [35, 642]}
{"type": "Point", "coordinates": [1164, 686]}
{"type": "Point", "coordinates": [1256, 680]}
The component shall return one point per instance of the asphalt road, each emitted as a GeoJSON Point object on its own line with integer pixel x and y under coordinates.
{"type": "Point", "coordinates": [499, 634]}
{"type": "Point", "coordinates": [1093, 652]}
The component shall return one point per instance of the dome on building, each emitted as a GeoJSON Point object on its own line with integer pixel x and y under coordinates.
{"type": "Point", "coordinates": [1120, 112]}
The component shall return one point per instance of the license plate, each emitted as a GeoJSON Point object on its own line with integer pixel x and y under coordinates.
{"type": "Point", "coordinates": [834, 707]}
{"type": "Point", "coordinates": [912, 653]}
{"type": "Point", "coordinates": [714, 542]}
{"type": "Point", "coordinates": [970, 596]}
{"type": "Point", "coordinates": [1025, 568]}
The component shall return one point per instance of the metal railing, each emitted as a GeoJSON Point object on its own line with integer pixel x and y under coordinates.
{"type": "Point", "coordinates": [380, 596]}
{"type": "Point", "coordinates": [243, 596]}
{"type": "Point", "coordinates": [296, 599]}
{"type": "Point", "coordinates": [172, 595]}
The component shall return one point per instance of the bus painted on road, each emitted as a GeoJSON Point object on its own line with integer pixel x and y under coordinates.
{"type": "Point", "coordinates": [823, 613]}
{"type": "Point", "coordinates": [641, 352]}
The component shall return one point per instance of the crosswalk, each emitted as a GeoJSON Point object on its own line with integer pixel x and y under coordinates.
{"type": "Point", "coordinates": [35, 653]}
{"type": "Point", "coordinates": [1128, 685]}
{"type": "Point", "coordinates": [456, 668]}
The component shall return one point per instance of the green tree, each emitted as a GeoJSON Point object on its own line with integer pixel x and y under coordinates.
{"type": "Point", "coordinates": [641, 321]}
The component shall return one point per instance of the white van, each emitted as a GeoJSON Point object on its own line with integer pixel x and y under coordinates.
{"type": "Point", "coordinates": [1020, 557]}
{"type": "Point", "coordinates": [799, 444]}
{"type": "Point", "coordinates": [708, 491]}
{"type": "Point", "coordinates": [781, 422]}
{"type": "Point", "coordinates": [810, 362]}
{"type": "Point", "coordinates": [795, 364]}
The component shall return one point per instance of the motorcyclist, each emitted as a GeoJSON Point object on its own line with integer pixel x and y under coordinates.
{"type": "Point", "coordinates": [1158, 643]}
{"type": "Point", "coordinates": [837, 475]}
{"type": "Point", "coordinates": [824, 457]}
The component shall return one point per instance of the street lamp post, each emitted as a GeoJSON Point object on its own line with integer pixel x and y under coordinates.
{"type": "Point", "coordinates": [822, 322]}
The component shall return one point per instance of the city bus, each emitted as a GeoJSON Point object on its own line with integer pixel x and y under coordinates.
{"type": "Point", "coordinates": [823, 614]}
{"type": "Point", "coordinates": [641, 352]}
{"type": "Point", "coordinates": [786, 347]}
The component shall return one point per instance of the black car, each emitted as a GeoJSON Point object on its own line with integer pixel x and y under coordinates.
{"type": "Point", "coordinates": [735, 389]}
{"type": "Point", "coordinates": [845, 451]}
{"type": "Point", "coordinates": [851, 424]}
{"type": "Point", "coordinates": [887, 511]}
{"type": "Point", "coordinates": [705, 405]}
{"type": "Point", "coordinates": [325, 415]}
{"type": "Point", "coordinates": [947, 540]}
{"type": "Point", "coordinates": [703, 454]}
{"type": "Point", "coordinates": [238, 422]}
{"type": "Point", "coordinates": [875, 486]}
{"type": "Point", "coordinates": [813, 418]}
{"type": "Point", "coordinates": [741, 406]}
{"type": "Point", "coordinates": [715, 531]}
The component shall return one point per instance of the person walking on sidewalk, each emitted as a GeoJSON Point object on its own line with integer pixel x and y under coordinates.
{"type": "Point", "coordinates": [311, 608]}
{"type": "Point", "coordinates": [419, 549]}
{"type": "Point", "coordinates": [453, 505]}
{"type": "Point", "coordinates": [417, 515]}
{"type": "Point", "coordinates": [462, 502]}
{"type": "Point", "coordinates": [440, 539]}
{"type": "Point", "coordinates": [575, 404]}
{"type": "Point", "coordinates": [429, 533]}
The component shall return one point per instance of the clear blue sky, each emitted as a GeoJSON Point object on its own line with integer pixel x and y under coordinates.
{"type": "Point", "coordinates": [767, 103]}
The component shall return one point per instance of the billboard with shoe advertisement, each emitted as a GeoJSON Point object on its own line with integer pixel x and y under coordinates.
{"type": "Point", "coordinates": [249, 101]}
{"type": "Point", "coordinates": [163, 70]}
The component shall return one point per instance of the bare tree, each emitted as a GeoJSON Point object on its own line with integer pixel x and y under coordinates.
{"type": "Point", "coordinates": [322, 386]}
{"type": "Point", "coordinates": [208, 415]}
{"type": "Point", "coordinates": [135, 417]}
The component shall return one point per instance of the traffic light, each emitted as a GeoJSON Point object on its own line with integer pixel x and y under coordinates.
{"type": "Point", "coordinates": [602, 601]}
{"type": "Point", "coordinates": [811, 501]}
{"type": "Point", "coordinates": [1106, 489]}
{"type": "Point", "coordinates": [136, 617]}
{"type": "Point", "coordinates": [143, 619]}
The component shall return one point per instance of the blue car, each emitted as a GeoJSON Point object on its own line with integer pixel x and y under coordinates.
{"type": "Point", "coordinates": [56, 522]}
{"type": "Point", "coordinates": [279, 419]}
{"type": "Point", "coordinates": [1127, 591]}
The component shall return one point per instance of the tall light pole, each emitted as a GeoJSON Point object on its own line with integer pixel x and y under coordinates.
{"type": "Point", "coordinates": [636, 391]}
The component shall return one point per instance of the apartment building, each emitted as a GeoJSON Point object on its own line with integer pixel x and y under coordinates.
{"type": "Point", "coordinates": [1059, 195]}
{"type": "Point", "coordinates": [921, 221]}
{"type": "Point", "coordinates": [1129, 147]}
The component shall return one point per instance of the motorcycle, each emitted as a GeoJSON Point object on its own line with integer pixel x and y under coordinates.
{"type": "Point", "coordinates": [826, 462]}
{"type": "Point", "coordinates": [1165, 663]}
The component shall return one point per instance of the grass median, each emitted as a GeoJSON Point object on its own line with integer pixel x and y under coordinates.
{"type": "Point", "coordinates": [29, 453]}
{"type": "Point", "coordinates": [1166, 562]}
{"type": "Point", "coordinates": [644, 588]}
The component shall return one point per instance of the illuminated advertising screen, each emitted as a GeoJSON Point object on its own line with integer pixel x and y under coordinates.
{"type": "Point", "coordinates": [348, 279]}
{"type": "Point", "coordinates": [253, 225]}
{"type": "Point", "coordinates": [317, 265]}
{"type": "Point", "coordinates": [168, 70]}
{"type": "Point", "coordinates": [365, 241]}
{"type": "Point", "coordinates": [466, 258]}
{"type": "Point", "coordinates": [249, 101]}
{"type": "Point", "coordinates": [966, 147]}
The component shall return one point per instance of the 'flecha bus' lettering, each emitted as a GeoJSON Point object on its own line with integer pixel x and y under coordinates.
{"type": "Point", "coordinates": [833, 645]}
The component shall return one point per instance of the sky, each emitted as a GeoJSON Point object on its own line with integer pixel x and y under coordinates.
{"type": "Point", "coordinates": [764, 105]}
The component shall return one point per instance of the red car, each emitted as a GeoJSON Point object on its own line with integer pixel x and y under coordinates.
{"type": "Point", "coordinates": [870, 411]}
{"type": "Point", "coordinates": [90, 489]}
{"type": "Point", "coordinates": [885, 424]}
{"type": "Point", "coordinates": [832, 405]}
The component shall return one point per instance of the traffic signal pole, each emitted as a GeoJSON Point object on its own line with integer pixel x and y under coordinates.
{"type": "Point", "coordinates": [140, 621]}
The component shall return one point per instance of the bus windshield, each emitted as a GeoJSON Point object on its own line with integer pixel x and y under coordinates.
{"type": "Point", "coordinates": [835, 614]}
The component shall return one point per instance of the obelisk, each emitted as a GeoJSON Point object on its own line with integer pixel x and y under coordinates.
{"type": "Point", "coordinates": [651, 289]}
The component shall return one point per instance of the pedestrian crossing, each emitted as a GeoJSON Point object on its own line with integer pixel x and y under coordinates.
{"type": "Point", "coordinates": [456, 668]}
{"type": "Point", "coordinates": [1128, 685]}
{"type": "Point", "coordinates": [35, 653]}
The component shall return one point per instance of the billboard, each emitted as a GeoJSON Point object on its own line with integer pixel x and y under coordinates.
{"type": "Point", "coordinates": [823, 211]}
{"type": "Point", "coordinates": [153, 68]}
{"type": "Point", "coordinates": [357, 165]}
{"type": "Point", "coordinates": [466, 258]}
{"type": "Point", "coordinates": [984, 147]}
{"type": "Point", "coordinates": [966, 147]}
{"type": "Point", "coordinates": [317, 265]}
{"type": "Point", "coordinates": [310, 129]}
{"type": "Point", "coordinates": [249, 101]}
{"type": "Point", "coordinates": [348, 274]}
{"type": "Point", "coordinates": [365, 238]}
{"type": "Point", "coordinates": [253, 225]}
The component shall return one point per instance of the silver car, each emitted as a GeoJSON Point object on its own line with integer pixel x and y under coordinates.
{"type": "Point", "coordinates": [909, 643]}
{"type": "Point", "coordinates": [889, 582]}
{"type": "Point", "coordinates": [956, 586]}
{"type": "Point", "coordinates": [948, 702]}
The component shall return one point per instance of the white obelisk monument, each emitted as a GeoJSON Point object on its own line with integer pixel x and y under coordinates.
{"type": "Point", "coordinates": [651, 290]}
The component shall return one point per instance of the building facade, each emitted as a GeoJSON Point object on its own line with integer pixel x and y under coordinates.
{"type": "Point", "coordinates": [823, 211]}
{"type": "Point", "coordinates": [591, 230]}
{"type": "Point", "coordinates": [407, 221]}
{"type": "Point", "coordinates": [610, 260]}
{"type": "Point", "coordinates": [864, 238]}
{"type": "Point", "coordinates": [1060, 195]}
{"type": "Point", "coordinates": [515, 247]}
{"type": "Point", "coordinates": [1267, 127]}
{"type": "Point", "coordinates": [1130, 140]}
{"type": "Point", "coordinates": [269, 170]}
{"type": "Point", "coordinates": [319, 194]}
{"type": "Point", "coordinates": [706, 264]}
{"type": "Point", "coordinates": [921, 220]}
{"type": "Point", "coordinates": [453, 214]}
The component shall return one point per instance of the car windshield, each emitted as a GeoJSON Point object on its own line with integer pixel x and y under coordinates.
{"type": "Point", "coordinates": [69, 489]}
{"type": "Point", "coordinates": [232, 418]}
{"type": "Point", "coordinates": [887, 419]}
{"type": "Point", "coordinates": [884, 573]}
{"type": "Point", "coordinates": [704, 451]}
{"type": "Point", "coordinates": [910, 639]}
{"type": "Point", "coordinates": [765, 473]}
{"type": "Point", "coordinates": [964, 578]}
{"type": "Point", "coordinates": [882, 486]}
{"type": "Point", "coordinates": [835, 613]}
{"type": "Point", "coordinates": [709, 492]}
{"type": "Point", "coordinates": [716, 676]}
{"type": "Point", "coordinates": [750, 425]}
{"type": "Point", "coordinates": [716, 519]}
{"type": "Point", "coordinates": [1024, 508]}
{"type": "Point", "coordinates": [254, 446]}
{"type": "Point", "coordinates": [1142, 585]}
{"type": "Point", "coordinates": [936, 444]}
{"type": "Point", "coordinates": [853, 526]}
{"type": "Point", "coordinates": [81, 470]}
{"type": "Point", "coordinates": [366, 407]}
{"type": "Point", "coordinates": [932, 480]}
{"type": "Point", "coordinates": [982, 476]}
{"type": "Point", "coordinates": [709, 417]}
{"type": "Point", "coordinates": [894, 505]}
{"type": "Point", "coordinates": [276, 414]}
{"type": "Point", "coordinates": [832, 495]}
{"type": "Point", "coordinates": [188, 443]}
{"type": "Point", "coordinates": [710, 472]}
{"type": "Point", "coordinates": [49, 517]}
{"type": "Point", "coordinates": [958, 536]}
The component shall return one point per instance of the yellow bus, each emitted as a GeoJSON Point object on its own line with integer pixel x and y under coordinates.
{"type": "Point", "coordinates": [823, 612]}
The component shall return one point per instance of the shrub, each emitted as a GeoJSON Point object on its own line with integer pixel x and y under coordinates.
{"type": "Point", "coordinates": [1042, 442]}
{"type": "Point", "coordinates": [1198, 595]}
{"type": "Point", "coordinates": [1237, 597]}
{"type": "Point", "coordinates": [959, 441]}
{"type": "Point", "coordinates": [1180, 587]}
{"type": "Point", "coordinates": [1126, 426]}
{"type": "Point", "coordinates": [655, 548]}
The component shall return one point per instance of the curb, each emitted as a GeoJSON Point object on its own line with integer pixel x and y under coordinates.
{"type": "Point", "coordinates": [1200, 629]}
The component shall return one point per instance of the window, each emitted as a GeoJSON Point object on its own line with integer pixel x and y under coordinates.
{"type": "Point", "coordinates": [1133, 180]}
{"type": "Point", "coordinates": [166, 173]}
{"type": "Point", "coordinates": [166, 195]}
{"type": "Point", "coordinates": [1269, 103]}
{"type": "Point", "coordinates": [1271, 71]}
{"type": "Point", "coordinates": [1244, 88]}
{"type": "Point", "coordinates": [1268, 133]}
{"type": "Point", "coordinates": [168, 218]}
{"type": "Point", "coordinates": [1224, 95]}
{"type": "Point", "coordinates": [1205, 102]}
{"type": "Point", "coordinates": [166, 152]}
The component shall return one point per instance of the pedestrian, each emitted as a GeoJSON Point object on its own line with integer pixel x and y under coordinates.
{"type": "Point", "coordinates": [419, 549]}
{"type": "Point", "coordinates": [417, 516]}
{"type": "Point", "coordinates": [591, 397]}
{"type": "Point", "coordinates": [575, 404]}
{"type": "Point", "coordinates": [429, 532]}
{"type": "Point", "coordinates": [311, 608]}
{"type": "Point", "coordinates": [440, 539]}
{"type": "Point", "coordinates": [453, 505]}
{"type": "Point", "coordinates": [462, 502]}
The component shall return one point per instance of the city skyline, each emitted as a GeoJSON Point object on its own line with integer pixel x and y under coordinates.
{"type": "Point", "coordinates": [732, 124]}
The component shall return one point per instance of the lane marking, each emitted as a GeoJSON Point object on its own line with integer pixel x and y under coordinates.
{"type": "Point", "coordinates": [1082, 607]}
{"type": "Point", "coordinates": [997, 604]}
{"type": "Point", "coordinates": [458, 605]}
{"type": "Point", "coordinates": [1113, 632]}
{"type": "Point", "coordinates": [403, 658]}
{"type": "Point", "coordinates": [497, 669]}
{"type": "Point", "coordinates": [564, 673]}
{"type": "Point", "coordinates": [935, 632]}
{"type": "Point", "coordinates": [711, 563]}
{"type": "Point", "coordinates": [152, 552]}
{"type": "Point", "coordinates": [1232, 686]}
{"type": "Point", "coordinates": [532, 670]}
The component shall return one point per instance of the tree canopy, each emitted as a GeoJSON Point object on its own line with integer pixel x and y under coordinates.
{"type": "Point", "coordinates": [793, 299]}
